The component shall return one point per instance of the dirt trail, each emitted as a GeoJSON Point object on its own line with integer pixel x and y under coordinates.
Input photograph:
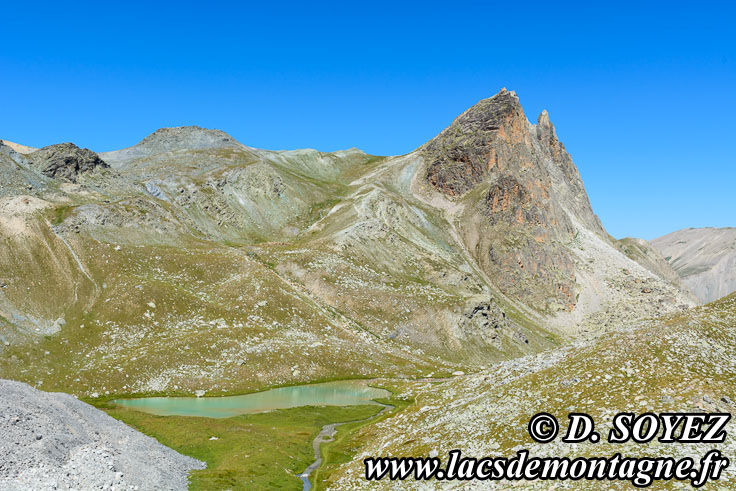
{"type": "Point", "coordinates": [81, 268]}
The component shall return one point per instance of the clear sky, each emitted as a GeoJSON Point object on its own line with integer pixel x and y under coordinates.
{"type": "Point", "coordinates": [643, 96]}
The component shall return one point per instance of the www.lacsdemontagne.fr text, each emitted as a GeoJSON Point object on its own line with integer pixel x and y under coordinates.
{"type": "Point", "coordinates": [641, 472]}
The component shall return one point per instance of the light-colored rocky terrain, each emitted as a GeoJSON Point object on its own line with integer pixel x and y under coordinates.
{"type": "Point", "coordinates": [705, 259]}
{"type": "Point", "coordinates": [54, 441]}
{"type": "Point", "coordinates": [17, 147]}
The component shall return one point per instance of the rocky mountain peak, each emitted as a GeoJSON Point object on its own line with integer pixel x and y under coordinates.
{"type": "Point", "coordinates": [165, 140]}
{"type": "Point", "coordinates": [532, 193]}
{"type": "Point", "coordinates": [462, 155]}
{"type": "Point", "coordinates": [186, 136]}
{"type": "Point", "coordinates": [65, 161]}
{"type": "Point", "coordinates": [547, 136]}
{"type": "Point", "coordinates": [499, 111]}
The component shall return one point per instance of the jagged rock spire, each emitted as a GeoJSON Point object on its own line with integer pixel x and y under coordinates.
{"type": "Point", "coordinates": [534, 193]}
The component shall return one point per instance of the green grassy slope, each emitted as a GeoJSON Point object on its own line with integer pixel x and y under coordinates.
{"type": "Point", "coordinates": [257, 451]}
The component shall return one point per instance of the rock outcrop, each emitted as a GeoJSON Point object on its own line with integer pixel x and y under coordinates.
{"type": "Point", "coordinates": [488, 322]}
{"type": "Point", "coordinates": [65, 161]}
{"type": "Point", "coordinates": [533, 199]}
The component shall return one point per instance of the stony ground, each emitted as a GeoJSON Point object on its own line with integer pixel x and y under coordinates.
{"type": "Point", "coordinates": [683, 363]}
{"type": "Point", "coordinates": [54, 441]}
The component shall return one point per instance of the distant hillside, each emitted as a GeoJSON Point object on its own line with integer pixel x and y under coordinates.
{"type": "Point", "coordinates": [18, 147]}
{"type": "Point", "coordinates": [705, 259]}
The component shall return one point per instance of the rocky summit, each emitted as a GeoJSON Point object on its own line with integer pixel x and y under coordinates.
{"type": "Point", "coordinates": [186, 138]}
{"type": "Point", "coordinates": [530, 196]}
{"type": "Point", "coordinates": [190, 263]}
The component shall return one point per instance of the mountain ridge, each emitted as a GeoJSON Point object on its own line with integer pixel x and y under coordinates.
{"type": "Point", "coordinates": [363, 261]}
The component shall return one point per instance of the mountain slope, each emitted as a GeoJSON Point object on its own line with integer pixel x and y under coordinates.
{"type": "Point", "coordinates": [166, 140]}
{"type": "Point", "coordinates": [17, 147]}
{"type": "Point", "coordinates": [196, 262]}
{"type": "Point", "coordinates": [648, 256]}
{"type": "Point", "coordinates": [683, 363]}
{"type": "Point", "coordinates": [521, 211]}
{"type": "Point", "coordinates": [705, 259]}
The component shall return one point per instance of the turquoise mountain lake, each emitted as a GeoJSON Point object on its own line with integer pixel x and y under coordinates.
{"type": "Point", "coordinates": [341, 393]}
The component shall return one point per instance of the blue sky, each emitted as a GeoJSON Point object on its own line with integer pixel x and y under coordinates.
{"type": "Point", "coordinates": [643, 96]}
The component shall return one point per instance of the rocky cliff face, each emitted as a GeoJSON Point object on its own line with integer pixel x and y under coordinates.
{"type": "Point", "coordinates": [533, 199]}
{"type": "Point", "coordinates": [705, 259]}
{"type": "Point", "coordinates": [494, 142]}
